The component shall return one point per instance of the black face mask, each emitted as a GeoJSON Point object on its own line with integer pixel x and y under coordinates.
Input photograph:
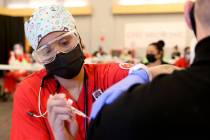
{"type": "Point", "coordinates": [151, 58]}
{"type": "Point", "coordinates": [192, 19]}
{"type": "Point", "coordinates": [67, 65]}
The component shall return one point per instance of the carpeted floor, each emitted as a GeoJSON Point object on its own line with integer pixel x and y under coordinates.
{"type": "Point", "coordinates": [5, 119]}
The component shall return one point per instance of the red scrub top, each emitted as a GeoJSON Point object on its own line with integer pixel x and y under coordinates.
{"type": "Point", "coordinates": [182, 63]}
{"type": "Point", "coordinates": [99, 76]}
{"type": "Point", "coordinates": [11, 78]}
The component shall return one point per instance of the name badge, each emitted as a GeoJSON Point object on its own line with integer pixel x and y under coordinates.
{"type": "Point", "coordinates": [96, 94]}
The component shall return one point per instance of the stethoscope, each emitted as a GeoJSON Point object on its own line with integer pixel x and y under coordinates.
{"type": "Point", "coordinates": [43, 115]}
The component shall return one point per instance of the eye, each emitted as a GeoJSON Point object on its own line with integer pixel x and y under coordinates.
{"type": "Point", "coordinates": [46, 50]}
{"type": "Point", "coordinates": [64, 42]}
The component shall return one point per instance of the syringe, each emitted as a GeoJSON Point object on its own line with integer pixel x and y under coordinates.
{"type": "Point", "coordinates": [76, 111]}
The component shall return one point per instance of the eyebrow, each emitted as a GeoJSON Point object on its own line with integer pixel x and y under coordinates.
{"type": "Point", "coordinates": [49, 41]}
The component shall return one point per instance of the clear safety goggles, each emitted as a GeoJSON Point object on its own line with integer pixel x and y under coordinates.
{"type": "Point", "coordinates": [62, 44]}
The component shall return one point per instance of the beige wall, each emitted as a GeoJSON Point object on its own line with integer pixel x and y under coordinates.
{"type": "Point", "coordinates": [103, 22]}
{"type": "Point", "coordinates": [2, 4]}
{"type": "Point", "coordinates": [121, 21]}
{"type": "Point", "coordinates": [100, 23]}
{"type": "Point", "coordinates": [84, 27]}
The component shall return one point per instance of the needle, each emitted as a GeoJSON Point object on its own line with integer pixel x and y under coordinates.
{"type": "Point", "coordinates": [76, 111]}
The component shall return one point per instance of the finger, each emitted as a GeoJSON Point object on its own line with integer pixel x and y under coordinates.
{"type": "Point", "coordinates": [59, 121]}
{"type": "Point", "coordinates": [58, 102]}
{"type": "Point", "coordinates": [72, 117]}
{"type": "Point", "coordinates": [71, 111]}
{"type": "Point", "coordinates": [169, 69]}
{"type": "Point", "coordinates": [69, 102]}
{"type": "Point", "coordinates": [58, 96]}
{"type": "Point", "coordinates": [55, 97]}
{"type": "Point", "coordinates": [73, 126]}
{"type": "Point", "coordinates": [58, 111]}
{"type": "Point", "coordinates": [178, 68]}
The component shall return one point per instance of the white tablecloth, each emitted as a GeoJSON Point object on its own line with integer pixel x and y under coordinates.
{"type": "Point", "coordinates": [28, 67]}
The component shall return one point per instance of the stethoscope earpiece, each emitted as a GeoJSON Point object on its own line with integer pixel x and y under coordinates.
{"type": "Point", "coordinates": [30, 114]}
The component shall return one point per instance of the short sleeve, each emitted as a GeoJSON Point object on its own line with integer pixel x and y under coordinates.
{"type": "Point", "coordinates": [25, 126]}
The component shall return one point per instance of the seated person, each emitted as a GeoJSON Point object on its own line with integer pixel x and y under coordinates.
{"type": "Point", "coordinates": [155, 53]}
{"type": "Point", "coordinates": [184, 61]}
{"type": "Point", "coordinates": [17, 57]}
{"type": "Point", "coordinates": [176, 53]}
{"type": "Point", "coordinates": [99, 52]}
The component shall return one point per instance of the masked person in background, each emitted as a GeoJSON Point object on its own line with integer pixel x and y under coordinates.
{"type": "Point", "coordinates": [184, 61]}
{"type": "Point", "coordinates": [17, 58]}
{"type": "Point", "coordinates": [155, 53]}
{"type": "Point", "coordinates": [176, 53]}
{"type": "Point", "coordinates": [41, 108]}
{"type": "Point", "coordinates": [174, 106]}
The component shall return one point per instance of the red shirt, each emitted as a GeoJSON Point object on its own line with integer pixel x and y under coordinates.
{"type": "Point", "coordinates": [25, 127]}
{"type": "Point", "coordinates": [182, 63]}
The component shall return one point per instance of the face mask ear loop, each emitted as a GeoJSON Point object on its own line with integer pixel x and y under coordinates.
{"type": "Point", "coordinates": [80, 42]}
{"type": "Point", "coordinates": [81, 45]}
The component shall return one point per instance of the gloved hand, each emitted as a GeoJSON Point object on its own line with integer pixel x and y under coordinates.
{"type": "Point", "coordinates": [140, 76]}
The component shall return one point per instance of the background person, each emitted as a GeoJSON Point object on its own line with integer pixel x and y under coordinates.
{"type": "Point", "coordinates": [184, 61]}
{"type": "Point", "coordinates": [17, 58]}
{"type": "Point", "coordinates": [155, 54]}
{"type": "Point", "coordinates": [176, 53]}
{"type": "Point", "coordinates": [172, 106]}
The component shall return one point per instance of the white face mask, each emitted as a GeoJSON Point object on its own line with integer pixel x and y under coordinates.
{"type": "Point", "coordinates": [188, 57]}
{"type": "Point", "coordinates": [18, 51]}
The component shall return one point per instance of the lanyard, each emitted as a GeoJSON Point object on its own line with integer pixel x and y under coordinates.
{"type": "Point", "coordinates": [85, 104]}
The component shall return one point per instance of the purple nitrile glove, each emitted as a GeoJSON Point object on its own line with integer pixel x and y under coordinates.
{"type": "Point", "coordinates": [140, 76]}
